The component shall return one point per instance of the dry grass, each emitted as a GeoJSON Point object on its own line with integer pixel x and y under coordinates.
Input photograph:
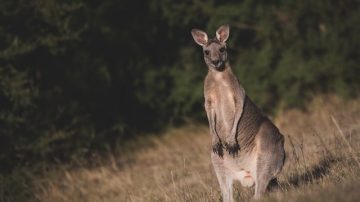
{"type": "Point", "coordinates": [322, 164]}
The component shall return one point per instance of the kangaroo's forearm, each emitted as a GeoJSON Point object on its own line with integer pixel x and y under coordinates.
{"type": "Point", "coordinates": [212, 122]}
{"type": "Point", "coordinates": [217, 146]}
{"type": "Point", "coordinates": [239, 104]}
{"type": "Point", "coordinates": [238, 113]}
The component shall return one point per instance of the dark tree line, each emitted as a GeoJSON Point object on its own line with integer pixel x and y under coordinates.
{"type": "Point", "coordinates": [82, 76]}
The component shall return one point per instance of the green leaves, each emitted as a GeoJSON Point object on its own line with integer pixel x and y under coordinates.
{"type": "Point", "coordinates": [79, 75]}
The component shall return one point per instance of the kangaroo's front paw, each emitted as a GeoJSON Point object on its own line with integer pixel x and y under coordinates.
{"type": "Point", "coordinates": [218, 149]}
{"type": "Point", "coordinates": [233, 148]}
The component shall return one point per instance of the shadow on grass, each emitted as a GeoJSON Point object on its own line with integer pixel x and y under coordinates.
{"type": "Point", "coordinates": [311, 175]}
{"type": "Point", "coordinates": [315, 173]}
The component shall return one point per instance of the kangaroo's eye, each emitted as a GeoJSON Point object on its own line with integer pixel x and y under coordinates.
{"type": "Point", "coordinates": [222, 49]}
{"type": "Point", "coordinates": [206, 52]}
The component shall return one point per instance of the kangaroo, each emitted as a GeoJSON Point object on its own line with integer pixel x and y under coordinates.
{"type": "Point", "coordinates": [254, 147]}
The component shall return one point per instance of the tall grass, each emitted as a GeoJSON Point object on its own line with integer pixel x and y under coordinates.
{"type": "Point", "coordinates": [322, 164]}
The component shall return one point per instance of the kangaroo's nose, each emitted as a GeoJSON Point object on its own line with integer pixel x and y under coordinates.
{"type": "Point", "coordinates": [216, 62]}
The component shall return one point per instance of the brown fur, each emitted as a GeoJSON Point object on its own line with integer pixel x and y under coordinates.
{"type": "Point", "coordinates": [254, 146]}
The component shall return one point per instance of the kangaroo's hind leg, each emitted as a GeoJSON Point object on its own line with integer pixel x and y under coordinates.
{"type": "Point", "coordinates": [225, 179]}
{"type": "Point", "coordinates": [270, 157]}
{"type": "Point", "coordinates": [263, 177]}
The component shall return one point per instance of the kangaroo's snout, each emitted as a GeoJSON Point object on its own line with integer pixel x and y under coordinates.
{"type": "Point", "coordinates": [216, 62]}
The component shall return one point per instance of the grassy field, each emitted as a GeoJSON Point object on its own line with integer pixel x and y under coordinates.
{"type": "Point", "coordinates": [322, 146]}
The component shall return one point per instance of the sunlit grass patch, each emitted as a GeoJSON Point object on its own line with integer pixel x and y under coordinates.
{"type": "Point", "coordinates": [322, 164]}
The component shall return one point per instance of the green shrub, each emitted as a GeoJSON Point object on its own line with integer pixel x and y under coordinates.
{"type": "Point", "coordinates": [79, 76]}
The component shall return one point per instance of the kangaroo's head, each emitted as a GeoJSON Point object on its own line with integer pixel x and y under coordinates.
{"type": "Point", "coordinates": [215, 53]}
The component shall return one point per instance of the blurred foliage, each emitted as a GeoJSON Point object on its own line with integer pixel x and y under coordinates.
{"type": "Point", "coordinates": [81, 76]}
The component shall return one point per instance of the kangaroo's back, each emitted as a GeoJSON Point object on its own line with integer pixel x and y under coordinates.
{"type": "Point", "coordinates": [249, 124]}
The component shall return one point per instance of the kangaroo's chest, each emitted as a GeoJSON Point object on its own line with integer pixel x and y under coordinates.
{"type": "Point", "coordinates": [224, 105]}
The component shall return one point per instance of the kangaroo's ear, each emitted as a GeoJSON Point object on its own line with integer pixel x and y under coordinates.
{"type": "Point", "coordinates": [222, 34]}
{"type": "Point", "coordinates": [199, 36]}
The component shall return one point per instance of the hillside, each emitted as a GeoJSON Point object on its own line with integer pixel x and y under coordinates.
{"type": "Point", "coordinates": [322, 145]}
